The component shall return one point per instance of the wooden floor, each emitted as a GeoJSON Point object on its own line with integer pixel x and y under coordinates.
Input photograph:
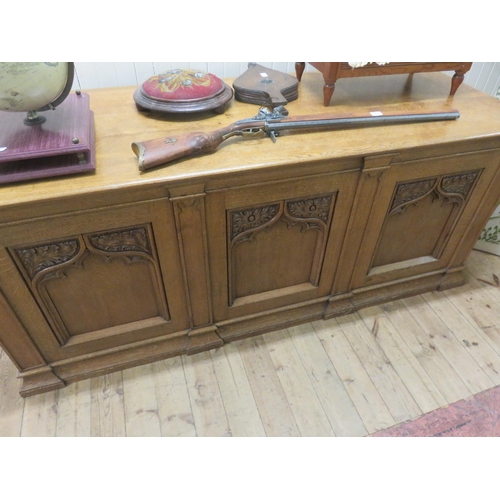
{"type": "Point", "coordinates": [350, 376]}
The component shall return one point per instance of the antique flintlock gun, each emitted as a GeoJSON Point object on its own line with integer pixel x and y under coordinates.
{"type": "Point", "coordinates": [267, 123]}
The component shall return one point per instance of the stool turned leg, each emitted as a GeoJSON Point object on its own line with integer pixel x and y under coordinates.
{"type": "Point", "coordinates": [328, 90]}
{"type": "Point", "coordinates": [409, 82]}
{"type": "Point", "coordinates": [299, 69]}
{"type": "Point", "coordinates": [456, 81]}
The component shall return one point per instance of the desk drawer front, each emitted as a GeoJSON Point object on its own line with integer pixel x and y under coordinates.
{"type": "Point", "coordinates": [93, 283]}
{"type": "Point", "coordinates": [276, 246]}
{"type": "Point", "coordinates": [428, 208]}
{"type": "Point", "coordinates": [280, 243]}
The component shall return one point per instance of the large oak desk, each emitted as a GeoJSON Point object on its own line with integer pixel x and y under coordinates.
{"type": "Point", "coordinates": [104, 271]}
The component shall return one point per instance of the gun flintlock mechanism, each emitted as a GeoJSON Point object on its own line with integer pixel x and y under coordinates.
{"type": "Point", "coordinates": [268, 123]}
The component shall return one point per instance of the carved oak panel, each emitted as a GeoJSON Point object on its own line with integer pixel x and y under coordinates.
{"type": "Point", "coordinates": [76, 281]}
{"type": "Point", "coordinates": [421, 217]}
{"type": "Point", "coordinates": [277, 245]}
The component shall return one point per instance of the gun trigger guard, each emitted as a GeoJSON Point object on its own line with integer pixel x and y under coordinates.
{"type": "Point", "coordinates": [252, 132]}
{"type": "Point", "coordinates": [247, 133]}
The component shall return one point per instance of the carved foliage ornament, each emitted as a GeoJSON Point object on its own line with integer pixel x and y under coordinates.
{"type": "Point", "coordinates": [252, 218]}
{"type": "Point", "coordinates": [38, 258]}
{"type": "Point", "coordinates": [128, 240]}
{"type": "Point", "coordinates": [306, 210]}
{"type": "Point", "coordinates": [410, 191]}
{"type": "Point", "coordinates": [459, 184]}
{"type": "Point", "coordinates": [316, 208]}
{"type": "Point", "coordinates": [452, 188]}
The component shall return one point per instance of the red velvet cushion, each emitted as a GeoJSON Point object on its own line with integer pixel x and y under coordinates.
{"type": "Point", "coordinates": [182, 84]}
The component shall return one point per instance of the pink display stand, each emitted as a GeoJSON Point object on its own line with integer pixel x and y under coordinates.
{"type": "Point", "coordinates": [64, 144]}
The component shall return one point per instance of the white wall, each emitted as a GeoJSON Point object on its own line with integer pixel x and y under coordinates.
{"type": "Point", "coordinates": [484, 76]}
{"type": "Point", "coordinates": [115, 74]}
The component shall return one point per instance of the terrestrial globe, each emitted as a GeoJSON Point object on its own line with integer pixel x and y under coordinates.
{"type": "Point", "coordinates": [34, 86]}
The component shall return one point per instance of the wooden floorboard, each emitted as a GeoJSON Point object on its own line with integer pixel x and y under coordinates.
{"type": "Point", "coordinates": [362, 390]}
{"type": "Point", "coordinates": [306, 408]}
{"type": "Point", "coordinates": [330, 389]}
{"type": "Point", "coordinates": [433, 362]}
{"type": "Point", "coordinates": [420, 385]}
{"type": "Point", "coordinates": [11, 405]}
{"type": "Point", "coordinates": [140, 402]}
{"type": "Point", "coordinates": [239, 403]}
{"type": "Point", "coordinates": [207, 404]}
{"type": "Point", "coordinates": [273, 406]}
{"type": "Point", "coordinates": [349, 376]}
{"type": "Point", "coordinates": [174, 405]}
{"type": "Point", "coordinates": [107, 411]}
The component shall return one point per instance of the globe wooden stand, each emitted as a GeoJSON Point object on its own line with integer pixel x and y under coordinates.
{"type": "Point", "coordinates": [62, 144]}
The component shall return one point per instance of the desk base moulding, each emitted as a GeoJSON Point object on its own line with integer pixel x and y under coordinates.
{"type": "Point", "coordinates": [58, 374]}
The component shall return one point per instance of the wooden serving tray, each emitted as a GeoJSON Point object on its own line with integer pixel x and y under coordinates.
{"type": "Point", "coordinates": [64, 144]}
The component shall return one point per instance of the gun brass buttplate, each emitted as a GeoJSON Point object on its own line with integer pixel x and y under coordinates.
{"type": "Point", "coordinates": [139, 151]}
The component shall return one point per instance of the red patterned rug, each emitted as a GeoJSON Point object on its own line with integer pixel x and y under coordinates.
{"type": "Point", "coordinates": [477, 416]}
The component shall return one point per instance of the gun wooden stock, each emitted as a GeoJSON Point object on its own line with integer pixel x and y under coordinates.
{"type": "Point", "coordinates": [157, 152]}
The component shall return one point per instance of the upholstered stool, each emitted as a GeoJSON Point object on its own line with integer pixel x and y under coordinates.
{"type": "Point", "coordinates": [183, 91]}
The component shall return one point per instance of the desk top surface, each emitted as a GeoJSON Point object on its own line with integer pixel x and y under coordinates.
{"type": "Point", "coordinates": [118, 124]}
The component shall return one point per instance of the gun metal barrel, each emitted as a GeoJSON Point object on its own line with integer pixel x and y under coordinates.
{"type": "Point", "coordinates": [272, 126]}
